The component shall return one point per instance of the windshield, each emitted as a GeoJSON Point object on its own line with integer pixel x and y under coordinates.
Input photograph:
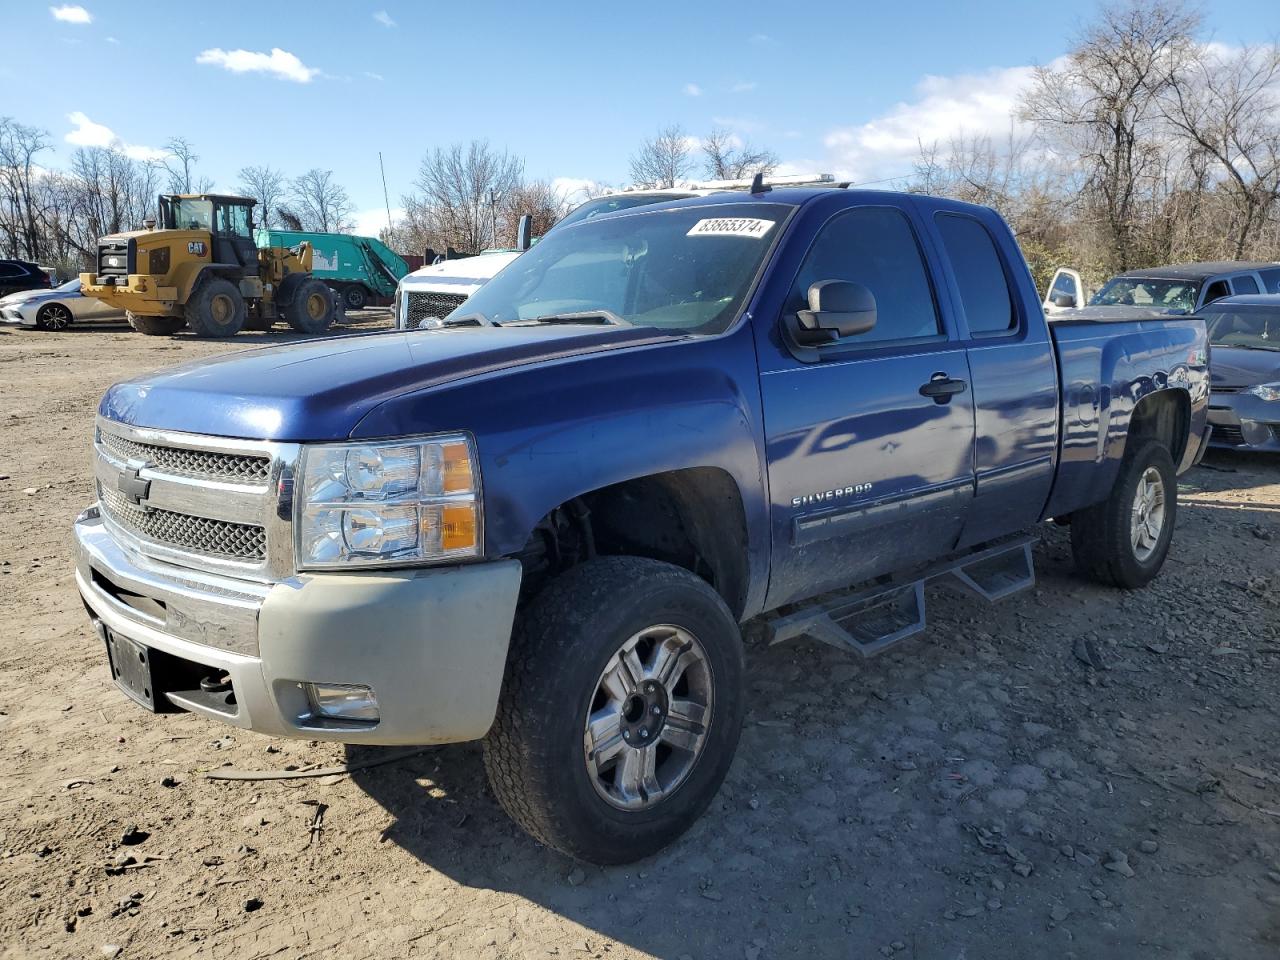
{"type": "Point", "coordinates": [193, 214]}
{"type": "Point", "coordinates": [688, 268]}
{"type": "Point", "coordinates": [1157, 294]}
{"type": "Point", "coordinates": [612, 204]}
{"type": "Point", "coordinates": [71, 286]}
{"type": "Point", "coordinates": [1256, 328]}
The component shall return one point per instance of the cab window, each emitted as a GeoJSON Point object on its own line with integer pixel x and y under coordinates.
{"type": "Point", "coordinates": [233, 219]}
{"type": "Point", "coordinates": [876, 247]}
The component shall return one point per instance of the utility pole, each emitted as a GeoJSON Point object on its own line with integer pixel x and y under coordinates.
{"type": "Point", "coordinates": [385, 198]}
{"type": "Point", "coordinates": [493, 213]}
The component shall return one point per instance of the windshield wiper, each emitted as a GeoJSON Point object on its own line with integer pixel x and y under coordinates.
{"type": "Point", "coordinates": [584, 316]}
{"type": "Point", "coordinates": [470, 320]}
{"type": "Point", "coordinates": [1246, 346]}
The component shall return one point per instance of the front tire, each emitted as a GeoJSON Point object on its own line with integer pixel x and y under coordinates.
{"type": "Point", "coordinates": [620, 710]}
{"type": "Point", "coordinates": [216, 309]}
{"type": "Point", "coordinates": [311, 308]}
{"type": "Point", "coordinates": [154, 326]}
{"type": "Point", "coordinates": [1124, 540]}
{"type": "Point", "coordinates": [54, 318]}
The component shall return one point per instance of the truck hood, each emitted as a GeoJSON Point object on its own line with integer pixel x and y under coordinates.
{"type": "Point", "coordinates": [320, 389]}
{"type": "Point", "coordinates": [1236, 367]}
{"type": "Point", "coordinates": [465, 274]}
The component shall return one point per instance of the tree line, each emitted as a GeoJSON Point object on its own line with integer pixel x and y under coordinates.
{"type": "Point", "coordinates": [1143, 146]}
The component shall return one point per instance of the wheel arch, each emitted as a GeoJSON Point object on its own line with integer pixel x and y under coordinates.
{"type": "Point", "coordinates": [1164, 416]}
{"type": "Point", "coordinates": [692, 517]}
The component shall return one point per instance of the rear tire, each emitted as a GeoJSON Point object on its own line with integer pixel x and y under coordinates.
{"type": "Point", "coordinates": [154, 326]}
{"type": "Point", "coordinates": [54, 317]}
{"type": "Point", "coordinates": [355, 297]}
{"type": "Point", "coordinates": [311, 308]}
{"type": "Point", "coordinates": [1124, 540]}
{"type": "Point", "coordinates": [618, 649]}
{"type": "Point", "coordinates": [216, 309]}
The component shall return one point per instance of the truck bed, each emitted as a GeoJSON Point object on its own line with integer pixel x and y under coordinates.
{"type": "Point", "coordinates": [1105, 368]}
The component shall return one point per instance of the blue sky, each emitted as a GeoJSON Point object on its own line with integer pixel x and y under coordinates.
{"type": "Point", "coordinates": [571, 87]}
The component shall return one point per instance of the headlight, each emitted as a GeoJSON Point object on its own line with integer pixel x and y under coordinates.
{"type": "Point", "coordinates": [1265, 391]}
{"type": "Point", "coordinates": [387, 504]}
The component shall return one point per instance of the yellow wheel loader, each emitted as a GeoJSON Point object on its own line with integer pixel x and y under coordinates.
{"type": "Point", "coordinates": [199, 267]}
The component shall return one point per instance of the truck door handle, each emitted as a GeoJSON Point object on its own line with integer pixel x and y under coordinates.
{"type": "Point", "coordinates": [941, 387]}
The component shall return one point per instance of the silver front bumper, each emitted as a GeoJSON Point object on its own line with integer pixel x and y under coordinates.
{"type": "Point", "coordinates": [430, 643]}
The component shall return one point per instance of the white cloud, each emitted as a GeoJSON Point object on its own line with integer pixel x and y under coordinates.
{"type": "Point", "coordinates": [978, 104]}
{"type": "Point", "coordinates": [692, 90]}
{"type": "Point", "coordinates": [71, 14]}
{"type": "Point", "coordinates": [279, 63]}
{"type": "Point", "coordinates": [575, 190]}
{"type": "Point", "coordinates": [384, 18]}
{"type": "Point", "coordinates": [373, 76]}
{"type": "Point", "coordinates": [745, 86]}
{"type": "Point", "coordinates": [371, 222]}
{"type": "Point", "coordinates": [87, 133]}
{"type": "Point", "coordinates": [112, 40]}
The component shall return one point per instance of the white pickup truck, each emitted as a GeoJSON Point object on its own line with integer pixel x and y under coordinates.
{"type": "Point", "coordinates": [434, 291]}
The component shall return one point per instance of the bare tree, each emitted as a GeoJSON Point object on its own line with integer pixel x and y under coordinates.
{"type": "Point", "coordinates": [726, 157]}
{"type": "Point", "coordinates": [1225, 106]}
{"type": "Point", "coordinates": [20, 210]}
{"type": "Point", "coordinates": [1102, 107]}
{"type": "Point", "coordinates": [268, 187]}
{"type": "Point", "coordinates": [179, 163]}
{"type": "Point", "coordinates": [542, 202]}
{"type": "Point", "coordinates": [320, 202]}
{"type": "Point", "coordinates": [664, 160]}
{"type": "Point", "coordinates": [460, 190]}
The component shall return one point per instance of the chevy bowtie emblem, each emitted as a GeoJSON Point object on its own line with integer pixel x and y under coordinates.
{"type": "Point", "coordinates": [132, 486]}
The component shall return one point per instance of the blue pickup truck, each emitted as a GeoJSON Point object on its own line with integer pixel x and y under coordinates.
{"type": "Point", "coordinates": [549, 522]}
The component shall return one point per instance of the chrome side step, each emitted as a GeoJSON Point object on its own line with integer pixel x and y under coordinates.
{"type": "Point", "coordinates": [870, 620]}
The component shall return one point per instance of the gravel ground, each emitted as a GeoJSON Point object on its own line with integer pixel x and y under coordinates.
{"type": "Point", "coordinates": [979, 793]}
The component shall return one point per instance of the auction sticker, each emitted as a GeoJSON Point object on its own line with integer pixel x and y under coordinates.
{"type": "Point", "coordinates": [730, 227]}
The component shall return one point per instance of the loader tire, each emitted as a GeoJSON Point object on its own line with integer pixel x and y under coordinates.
{"type": "Point", "coordinates": [154, 326]}
{"type": "Point", "coordinates": [216, 309]}
{"type": "Point", "coordinates": [310, 310]}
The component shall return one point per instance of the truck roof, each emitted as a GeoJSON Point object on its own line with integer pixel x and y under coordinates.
{"type": "Point", "coordinates": [1197, 271]}
{"type": "Point", "coordinates": [798, 196]}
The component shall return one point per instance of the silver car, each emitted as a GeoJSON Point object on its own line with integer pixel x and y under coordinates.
{"type": "Point", "coordinates": [56, 309]}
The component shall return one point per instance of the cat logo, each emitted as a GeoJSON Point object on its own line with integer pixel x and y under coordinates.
{"type": "Point", "coordinates": [196, 247]}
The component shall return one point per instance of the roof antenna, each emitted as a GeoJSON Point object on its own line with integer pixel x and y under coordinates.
{"type": "Point", "coordinates": [758, 184]}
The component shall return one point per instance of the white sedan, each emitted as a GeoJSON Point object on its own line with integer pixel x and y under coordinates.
{"type": "Point", "coordinates": [56, 309]}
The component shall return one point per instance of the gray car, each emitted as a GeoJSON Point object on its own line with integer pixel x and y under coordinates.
{"type": "Point", "coordinates": [56, 309]}
{"type": "Point", "coordinates": [1154, 291]}
{"type": "Point", "coordinates": [1244, 366]}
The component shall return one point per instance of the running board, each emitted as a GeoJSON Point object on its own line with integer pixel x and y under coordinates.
{"type": "Point", "coordinates": [871, 620]}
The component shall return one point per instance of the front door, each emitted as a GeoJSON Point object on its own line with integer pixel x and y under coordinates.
{"type": "Point", "coordinates": [870, 442]}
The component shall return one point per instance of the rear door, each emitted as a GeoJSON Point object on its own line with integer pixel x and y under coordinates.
{"type": "Point", "coordinates": [870, 463]}
{"type": "Point", "coordinates": [1014, 373]}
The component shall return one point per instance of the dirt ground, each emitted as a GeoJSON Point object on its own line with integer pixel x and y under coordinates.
{"type": "Point", "coordinates": [983, 793]}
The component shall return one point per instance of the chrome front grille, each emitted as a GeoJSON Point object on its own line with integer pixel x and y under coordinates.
{"type": "Point", "coordinates": [419, 306]}
{"type": "Point", "coordinates": [189, 463]}
{"type": "Point", "coordinates": [209, 503]}
{"type": "Point", "coordinates": [218, 538]}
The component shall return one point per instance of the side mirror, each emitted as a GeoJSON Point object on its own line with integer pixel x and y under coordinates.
{"type": "Point", "coordinates": [837, 308]}
{"type": "Point", "coordinates": [1064, 300]}
{"type": "Point", "coordinates": [524, 232]}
